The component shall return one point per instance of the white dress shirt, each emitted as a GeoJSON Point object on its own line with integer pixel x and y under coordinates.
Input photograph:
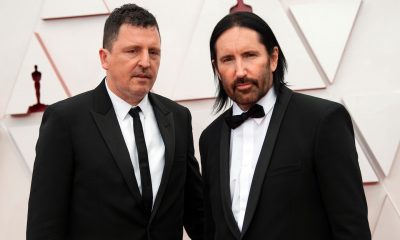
{"type": "Point", "coordinates": [246, 143]}
{"type": "Point", "coordinates": [154, 142]}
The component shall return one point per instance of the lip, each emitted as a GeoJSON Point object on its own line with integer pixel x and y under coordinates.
{"type": "Point", "coordinates": [243, 86]}
{"type": "Point", "coordinates": [142, 76]}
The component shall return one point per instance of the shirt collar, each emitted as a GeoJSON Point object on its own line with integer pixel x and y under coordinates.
{"type": "Point", "coordinates": [121, 107]}
{"type": "Point", "coordinates": [267, 102]}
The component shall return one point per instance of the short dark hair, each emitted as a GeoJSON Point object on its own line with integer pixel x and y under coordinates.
{"type": "Point", "coordinates": [267, 38]}
{"type": "Point", "coordinates": [129, 13]}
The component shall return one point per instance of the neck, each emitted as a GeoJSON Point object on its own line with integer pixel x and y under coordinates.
{"type": "Point", "coordinates": [245, 107]}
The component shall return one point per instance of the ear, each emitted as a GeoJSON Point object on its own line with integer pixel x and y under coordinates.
{"type": "Point", "coordinates": [274, 59]}
{"type": "Point", "coordinates": [104, 58]}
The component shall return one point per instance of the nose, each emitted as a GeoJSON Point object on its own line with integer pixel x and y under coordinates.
{"type": "Point", "coordinates": [241, 70]}
{"type": "Point", "coordinates": [144, 60]}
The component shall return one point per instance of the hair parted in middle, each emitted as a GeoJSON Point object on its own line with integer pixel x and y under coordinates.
{"type": "Point", "coordinates": [267, 38]}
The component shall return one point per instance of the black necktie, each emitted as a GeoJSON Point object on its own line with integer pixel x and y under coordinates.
{"type": "Point", "coordinates": [235, 121]}
{"type": "Point", "coordinates": [147, 192]}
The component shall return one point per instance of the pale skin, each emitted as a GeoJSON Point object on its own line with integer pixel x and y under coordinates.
{"type": "Point", "coordinates": [244, 66]}
{"type": "Point", "coordinates": [132, 63]}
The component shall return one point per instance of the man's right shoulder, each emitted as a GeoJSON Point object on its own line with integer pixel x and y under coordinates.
{"type": "Point", "coordinates": [215, 126]}
{"type": "Point", "coordinates": [74, 103]}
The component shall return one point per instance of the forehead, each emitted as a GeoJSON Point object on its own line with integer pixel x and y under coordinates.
{"type": "Point", "coordinates": [137, 34]}
{"type": "Point", "coordinates": [237, 38]}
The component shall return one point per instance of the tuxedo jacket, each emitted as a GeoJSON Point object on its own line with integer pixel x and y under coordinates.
{"type": "Point", "coordinates": [307, 183]}
{"type": "Point", "coordinates": [83, 182]}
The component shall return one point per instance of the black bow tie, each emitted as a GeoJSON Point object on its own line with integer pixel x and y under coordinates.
{"type": "Point", "coordinates": [235, 121]}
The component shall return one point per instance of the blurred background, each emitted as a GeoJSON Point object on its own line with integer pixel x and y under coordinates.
{"type": "Point", "coordinates": [343, 50]}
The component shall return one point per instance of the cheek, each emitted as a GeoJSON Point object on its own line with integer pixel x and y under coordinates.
{"type": "Point", "coordinates": [267, 78]}
{"type": "Point", "coordinates": [151, 83]}
{"type": "Point", "coordinates": [227, 86]}
{"type": "Point", "coordinates": [264, 70]}
{"type": "Point", "coordinates": [224, 69]}
{"type": "Point", "coordinates": [155, 64]}
{"type": "Point", "coordinates": [227, 75]}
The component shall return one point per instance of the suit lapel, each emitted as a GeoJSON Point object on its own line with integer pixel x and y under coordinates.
{"type": "Point", "coordinates": [265, 155]}
{"type": "Point", "coordinates": [165, 121]}
{"type": "Point", "coordinates": [104, 115]}
{"type": "Point", "coordinates": [224, 175]}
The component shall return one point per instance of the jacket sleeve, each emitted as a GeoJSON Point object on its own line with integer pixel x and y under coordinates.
{"type": "Point", "coordinates": [209, 228]}
{"type": "Point", "coordinates": [339, 176]}
{"type": "Point", "coordinates": [194, 211]}
{"type": "Point", "coordinates": [51, 180]}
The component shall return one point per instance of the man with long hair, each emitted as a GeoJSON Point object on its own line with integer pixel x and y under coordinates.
{"type": "Point", "coordinates": [277, 164]}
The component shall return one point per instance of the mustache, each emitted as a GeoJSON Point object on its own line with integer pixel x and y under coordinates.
{"type": "Point", "coordinates": [142, 74]}
{"type": "Point", "coordinates": [245, 80]}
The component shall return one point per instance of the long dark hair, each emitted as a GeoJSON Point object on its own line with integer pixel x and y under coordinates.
{"type": "Point", "coordinates": [267, 38]}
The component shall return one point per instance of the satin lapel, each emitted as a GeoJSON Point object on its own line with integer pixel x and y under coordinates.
{"type": "Point", "coordinates": [165, 121]}
{"type": "Point", "coordinates": [224, 175]}
{"type": "Point", "coordinates": [107, 123]}
{"type": "Point", "coordinates": [265, 155]}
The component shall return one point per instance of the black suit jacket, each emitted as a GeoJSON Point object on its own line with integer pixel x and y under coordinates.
{"type": "Point", "coordinates": [83, 182]}
{"type": "Point", "coordinates": [307, 183]}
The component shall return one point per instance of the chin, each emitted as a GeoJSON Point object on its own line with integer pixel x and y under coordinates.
{"type": "Point", "coordinates": [139, 89]}
{"type": "Point", "coordinates": [247, 99]}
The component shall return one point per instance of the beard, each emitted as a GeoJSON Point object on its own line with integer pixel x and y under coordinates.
{"type": "Point", "coordinates": [250, 96]}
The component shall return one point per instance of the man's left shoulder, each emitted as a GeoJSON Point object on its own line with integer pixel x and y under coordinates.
{"type": "Point", "coordinates": [314, 103]}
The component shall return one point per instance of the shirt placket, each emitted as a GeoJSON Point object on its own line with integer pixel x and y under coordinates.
{"type": "Point", "coordinates": [246, 169]}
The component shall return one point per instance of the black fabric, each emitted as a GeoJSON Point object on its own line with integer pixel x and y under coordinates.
{"type": "Point", "coordinates": [84, 176]}
{"type": "Point", "coordinates": [145, 177]}
{"type": "Point", "coordinates": [235, 121]}
{"type": "Point", "coordinates": [307, 182]}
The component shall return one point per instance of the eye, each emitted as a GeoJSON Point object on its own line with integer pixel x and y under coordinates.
{"type": "Point", "coordinates": [132, 50]}
{"type": "Point", "coordinates": [154, 52]}
{"type": "Point", "coordinates": [250, 54]}
{"type": "Point", "coordinates": [226, 59]}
